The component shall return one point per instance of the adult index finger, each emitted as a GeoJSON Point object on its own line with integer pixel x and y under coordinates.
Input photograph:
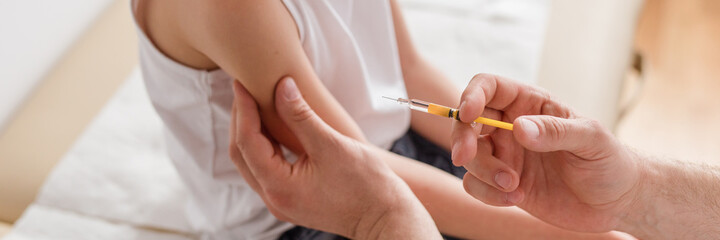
{"type": "Point", "coordinates": [486, 90]}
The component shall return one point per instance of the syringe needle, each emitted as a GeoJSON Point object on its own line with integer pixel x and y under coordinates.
{"type": "Point", "coordinates": [394, 99]}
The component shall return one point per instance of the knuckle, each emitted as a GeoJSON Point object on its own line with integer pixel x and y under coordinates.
{"type": "Point", "coordinates": [543, 93]}
{"type": "Point", "coordinates": [302, 112]}
{"type": "Point", "coordinates": [242, 141]}
{"type": "Point", "coordinates": [554, 108]}
{"type": "Point", "coordinates": [245, 150]}
{"type": "Point", "coordinates": [477, 80]}
{"type": "Point", "coordinates": [596, 131]}
{"type": "Point", "coordinates": [241, 147]}
{"type": "Point", "coordinates": [235, 154]}
{"type": "Point", "coordinates": [601, 139]}
{"type": "Point", "coordinates": [555, 129]}
{"type": "Point", "coordinates": [482, 77]}
{"type": "Point", "coordinates": [337, 141]}
{"type": "Point", "coordinates": [594, 124]}
{"type": "Point", "coordinates": [360, 152]}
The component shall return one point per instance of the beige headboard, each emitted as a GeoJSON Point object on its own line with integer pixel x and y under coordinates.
{"type": "Point", "coordinates": [58, 110]}
{"type": "Point", "coordinates": [587, 52]}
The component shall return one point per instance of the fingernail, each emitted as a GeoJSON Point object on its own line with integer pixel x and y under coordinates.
{"type": "Point", "coordinates": [531, 129]}
{"type": "Point", "coordinates": [503, 179]}
{"type": "Point", "coordinates": [291, 91]}
{"type": "Point", "coordinates": [514, 197]}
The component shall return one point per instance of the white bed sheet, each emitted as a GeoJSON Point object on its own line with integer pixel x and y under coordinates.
{"type": "Point", "coordinates": [116, 178]}
{"type": "Point", "coordinates": [57, 224]}
{"type": "Point", "coordinates": [117, 181]}
{"type": "Point", "coordinates": [466, 37]}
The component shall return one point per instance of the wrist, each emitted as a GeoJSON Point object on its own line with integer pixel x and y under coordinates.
{"type": "Point", "coordinates": [637, 213]}
{"type": "Point", "coordinates": [676, 201]}
{"type": "Point", "coordinates": [657, 208]}
{"type": "Point", "coordinates": [406, 218]}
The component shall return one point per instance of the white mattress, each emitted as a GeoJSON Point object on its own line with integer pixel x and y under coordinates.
{"type": "Point", "coordinates": [35, 34]}
{"type": "Point", "coordinates": [57, 224]}
{"type": "Point", "coordinates": [117, 183]}
{"type": "Point", "coordinates": [115, 179]}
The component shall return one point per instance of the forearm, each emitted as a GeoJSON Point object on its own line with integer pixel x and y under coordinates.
{"type": "Point", "coordinates": [676, 200]}
{"type": "Point", "coordinates": [457, 213]}
{"type": "Point", "coordinates": [426, 83]}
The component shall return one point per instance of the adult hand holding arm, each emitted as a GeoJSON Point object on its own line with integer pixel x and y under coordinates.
{"type": "Point", "coordinates": [337, 185]}
{"type": "Point", "coordinates": [571, 172]}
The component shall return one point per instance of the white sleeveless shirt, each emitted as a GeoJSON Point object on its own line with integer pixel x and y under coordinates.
{"type": "Point", "coordinates": [352, 47]}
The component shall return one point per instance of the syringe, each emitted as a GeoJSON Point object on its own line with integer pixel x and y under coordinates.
{"type": "Point", "coordinates": [444, 111]}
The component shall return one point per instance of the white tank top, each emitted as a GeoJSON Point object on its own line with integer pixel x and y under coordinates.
{"type": "Point", "coordinates": [352, 47]}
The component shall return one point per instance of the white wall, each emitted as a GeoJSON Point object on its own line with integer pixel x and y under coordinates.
{"type": "Point", "coordinates": [35, 34]}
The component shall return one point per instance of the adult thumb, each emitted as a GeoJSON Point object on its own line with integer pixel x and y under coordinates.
{"type": "Point", "coordinates": [585, 138]}
{"type": "Point", "coordinates": [302, 121]}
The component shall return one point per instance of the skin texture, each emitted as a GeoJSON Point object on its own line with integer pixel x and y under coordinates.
{"type": "Point", "coordinates": [214, 34]}
{"type": "Point", "coordinates": [676, 200]}
{"type": "Point", "coordinates": [539, 166]}
{"type": "Point", "coordinates": [571, 172]}
{"type": "Point", "coordinates": [218, 30]}
{"type": "Point", "coordinates": [328, 188]}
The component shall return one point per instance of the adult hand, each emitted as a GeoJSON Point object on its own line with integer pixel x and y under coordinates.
{"type": "Point", "coordinates": [560, 167]}
{"type": "Point", "coordinates": [337, 185]}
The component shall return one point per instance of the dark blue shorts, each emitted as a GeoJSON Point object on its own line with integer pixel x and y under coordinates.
{"type": "Point", "coordinates": [411, 145]}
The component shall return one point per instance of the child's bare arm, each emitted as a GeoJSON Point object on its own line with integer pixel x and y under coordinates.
{"type": "Point", "coordinates": [424, 82]}
{"type": "Point", "coordinates": [257, 42]}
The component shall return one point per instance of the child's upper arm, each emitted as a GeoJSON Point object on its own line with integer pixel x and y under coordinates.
{"type": "Point", "coordinates": [256, 41]}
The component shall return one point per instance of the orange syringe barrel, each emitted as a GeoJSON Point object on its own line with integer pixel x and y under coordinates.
{"type": "Point", "coordinates": [444, 111]}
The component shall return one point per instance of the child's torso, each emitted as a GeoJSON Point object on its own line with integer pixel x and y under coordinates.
{"type": "Point", "coordinates": [352, 48]}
